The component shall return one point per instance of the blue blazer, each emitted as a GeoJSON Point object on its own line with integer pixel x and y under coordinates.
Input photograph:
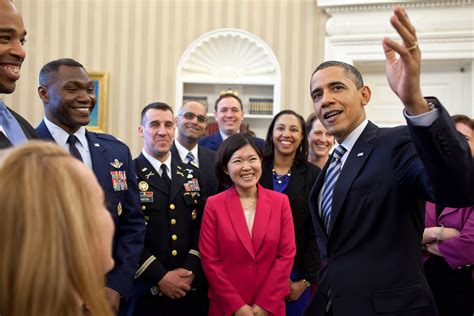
{"type": "Point", "coordinates": [215, 140]}
{"type": "Point", "coordinates": [372, 253]}
{"type": "Point", "coordinates": [123, 205]}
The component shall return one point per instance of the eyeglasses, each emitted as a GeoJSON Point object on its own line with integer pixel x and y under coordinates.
{"type": "Point", "coordinates": [191, 115]}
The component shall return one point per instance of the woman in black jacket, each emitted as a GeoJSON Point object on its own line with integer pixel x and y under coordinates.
{"type": "Point", "coordinates": [286, 169]}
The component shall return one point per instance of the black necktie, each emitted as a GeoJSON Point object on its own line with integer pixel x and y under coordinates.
{"type": "Point", "coordinates": [71, 140]}
{"type": "Point", "coordinates": [164, 176]}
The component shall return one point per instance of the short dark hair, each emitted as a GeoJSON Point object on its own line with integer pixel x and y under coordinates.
{"type": "Point", "coordinates": [49, 70]}
{"type": "Point", "coordinates": [350, 70]}
{"type": "Point", "coordinates": [309, 122]}
{"type": "Point", "coordinates": [227, 149]}
{"type": "Point", "coordinates": [302, 150]}
{"type": "Point", "coordinates": [157, 106]}
{"type": "Point", "coordinates": [228, 95]}
{"type": "Point", "coordinates": [464, 119]}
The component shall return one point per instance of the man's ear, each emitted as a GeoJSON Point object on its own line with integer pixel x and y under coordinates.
{"type": "Point", "coordinates": [140, 131]}
{"type": "Point", "coordinates": [43, 94]}
{"type": "Point", "coordinates": [366, 93]}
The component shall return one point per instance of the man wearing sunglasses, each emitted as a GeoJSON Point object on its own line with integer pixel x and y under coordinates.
{"type": "Point", "coordinates": [191, 122]}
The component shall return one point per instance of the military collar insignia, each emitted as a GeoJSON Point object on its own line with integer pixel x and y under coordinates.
{"type": "Point", "coordinates": [116, 163]}
{"type": "Point", "coordinates": [148, 175]}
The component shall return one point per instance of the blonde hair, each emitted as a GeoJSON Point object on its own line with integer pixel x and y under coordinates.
{"type": "Point", "coordinates": [48, 236]}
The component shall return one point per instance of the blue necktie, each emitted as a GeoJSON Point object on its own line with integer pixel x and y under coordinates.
{"type": "Point", "coordinates": [191, 160]}
{"type": "Point", "coordinates": [11, 127]}
{"type": "Point", "coordinates": [330, 179]}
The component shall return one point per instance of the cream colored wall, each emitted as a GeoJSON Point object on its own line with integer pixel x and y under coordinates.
{"type": "Point", "coordinates": [139, 44]}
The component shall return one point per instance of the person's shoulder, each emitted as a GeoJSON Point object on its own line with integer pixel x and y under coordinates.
{"type": "Point", "coordinates": [110, 140]}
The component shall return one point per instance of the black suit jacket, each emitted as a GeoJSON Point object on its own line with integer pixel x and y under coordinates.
{"type": "Point", "coordinates": [372, 254]}
{"type": "Point", "coordinates": [207, 162]}
{"type": "Point", "coordinates": [123, 205]}
{"type": "Point", "coordinates": [303, 176]}
{"type": "Point", "coordinates": [25, 126]}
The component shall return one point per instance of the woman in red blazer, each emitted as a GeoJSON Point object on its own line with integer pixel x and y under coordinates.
{"type": "Point", "coordinates": [247, 240]}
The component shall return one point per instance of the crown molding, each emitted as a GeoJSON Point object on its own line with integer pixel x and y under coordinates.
{"type": "Point", "coordinates": [331, 6]}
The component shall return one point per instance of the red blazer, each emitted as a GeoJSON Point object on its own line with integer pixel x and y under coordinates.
{"type": "Point", "coordinates": [242, 269]}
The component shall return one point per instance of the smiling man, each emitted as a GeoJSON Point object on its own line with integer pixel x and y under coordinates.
{"type": "Point", "coordinates": [171, 199]}
{"type": "Point", "coordinates": [191, 122]}
{"type": "Point", "coordinates": [229, 115]}
{"type": "Point", "coordinates": [366, 205]}
{"type": "Point", "coordinates": [14, 129]}
{"type": "Point", "coordinates": [68, 97]}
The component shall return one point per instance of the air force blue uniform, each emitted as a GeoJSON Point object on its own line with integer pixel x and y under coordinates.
{"type": "Point", "coordinates": [115, 172]}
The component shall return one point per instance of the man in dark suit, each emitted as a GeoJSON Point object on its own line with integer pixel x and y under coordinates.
{"type": "Point", "coordinates": [229, 114]}
{"type": "Point", "coordinates": [191, 123]}
{"type": "Point", "coordinates": [172, 203]}
{"type": "Point", "coordinates": [369, 223]}
{"type": "Point", "coordinates": [68, 97]}
{"type": "Point", "coordinates": [14, 129]}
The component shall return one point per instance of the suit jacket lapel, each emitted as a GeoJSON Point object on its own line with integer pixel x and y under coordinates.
{"type": "Point", "coordinates": [351, 169]}
{"type": "Point", "coordinates": [314, 199]}
{"type": "Point", "coordinates": [99, 158]}
{"type": "Point", "coordinates": [4, 141]}
{"type": "Point", "coordinates": [150, 175]}
{"type": "Point", "coordinates": [262, 216]}
{"type": "Point", "coordinates": [296, 180]}
{"type": "Point", "coordinates": [175, 153]}
{"type": "Point", "coordinates": [236, 215]}
{"type": "Point", "coordinates": [177, 180]}
{"type": "Point", "coordinates": [43, 132]}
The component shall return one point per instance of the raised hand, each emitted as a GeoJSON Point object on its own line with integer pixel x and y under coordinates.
{"type": "Point", "coordinates": [403, 63]}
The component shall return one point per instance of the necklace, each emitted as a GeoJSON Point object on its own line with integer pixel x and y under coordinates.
{"type": "Point", "coordinates": [281, 178]}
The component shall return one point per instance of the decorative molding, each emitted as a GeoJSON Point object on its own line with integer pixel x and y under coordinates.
{"type": "Point", "coordinates": [331, 6]}
{"type": "Point", "coordinates": [425, 20]}
{"type": "Point", "coordinates": [226, 55]}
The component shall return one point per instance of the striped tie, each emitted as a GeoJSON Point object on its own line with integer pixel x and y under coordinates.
{"type": "Point", "coordinates": [329, 182]}
{"type": "Point", "coordinates": [190, 157]}
{"type": "Point", "coordinates": [10, 125]}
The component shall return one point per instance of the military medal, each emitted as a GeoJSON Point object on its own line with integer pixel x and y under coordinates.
{"type": "Point", "coordinates": [119, 180]}
{"type": "Point", "coordinates": [143, 186]}
{"type": "Point", "coordinates": [146, 197]}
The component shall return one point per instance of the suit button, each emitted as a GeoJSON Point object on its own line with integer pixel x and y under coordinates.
{"type": "Point", "coordinates": [174, 253]}
{"type": "Point", "coordinates": [173, 221]}
{"type": "Point", "coordinates": [172, 207]}
{"type": "Point", "coordinates": [174, 237]}
{"type": "Point", "coordinates": [332, 257]}
{"type": "Point", "coordinates": [143, 207]}
{"type": "Point", "coordinates": [147, 218]}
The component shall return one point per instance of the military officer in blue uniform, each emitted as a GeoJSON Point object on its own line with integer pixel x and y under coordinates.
{"type": "Point", "coordinates": [172, 203]}
{"type": "Point", "coordinates": [68, 96]}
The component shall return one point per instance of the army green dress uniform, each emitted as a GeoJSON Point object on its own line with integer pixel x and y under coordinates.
{"type": "Point", "coordinates": [172, 231]}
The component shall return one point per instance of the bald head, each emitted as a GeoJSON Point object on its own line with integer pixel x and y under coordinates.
{"type": "Point", "coordinates": [12, 54]}
{"type": "Point", "coordinates": [191, 126]}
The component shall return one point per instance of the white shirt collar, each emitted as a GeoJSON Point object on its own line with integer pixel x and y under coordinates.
{"type": "Point", "coordinates": [157, 164]}
{"type": "Point", "coordinates": [60, 136]}
{"type": "Point", "coordinates": [351, 139]}
{"type": "Point", "coordinates": [183, 151]}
